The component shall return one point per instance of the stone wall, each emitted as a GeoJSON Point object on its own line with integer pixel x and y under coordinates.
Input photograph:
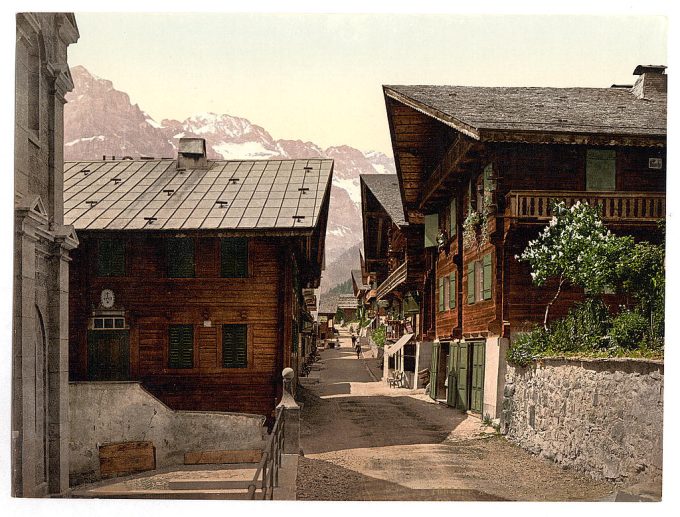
{"type": "Point", "coordinates": [603, 417]}
{"type": "Point", "coordinates": [105, 412]}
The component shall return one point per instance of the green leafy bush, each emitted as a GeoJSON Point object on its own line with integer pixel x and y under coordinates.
{"type": "Point", "coordinates": [629, 330]}
{"type": "Point", "coordinates": [581, 330]}
{"type": "Point", "coordinates": [379, 336]}
{"type": "Point", "coordinates": [528, 346]}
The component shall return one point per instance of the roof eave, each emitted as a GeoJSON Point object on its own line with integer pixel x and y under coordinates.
{"type": "Point", "coordinates": [442, 117]}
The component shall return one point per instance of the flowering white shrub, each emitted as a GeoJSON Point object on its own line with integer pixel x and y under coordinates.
{"type": "Point", "coordinates": [575, 247]}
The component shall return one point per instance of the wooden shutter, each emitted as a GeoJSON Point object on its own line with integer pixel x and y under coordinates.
{"type": "Point", "coordinates": [600, 169]}
{"type": "Point", "coordinates": [452, 218]}
{"type": "Point", "coordinates": [431, 230]}
{"type": "Point", "coordinates": [486, 282]}
{"type": "Point", "coordinates": [452, 290]}
{"type": "Point", "coordinates": [180, 257]}
{"type": "Point", "coordinates": [235, 346]}
{"type": "Point", "coordinates": [440, 288]}
{"type": "Point", "coordinates": [471, 283]}
{"type": "Point", "coordinates": [434, 370]}
{"type": "Point", "coordinates": [462, 401]}
{"type": "Point", "coordinates": [111, 257]}
{"type": "Point", "coordinates": [234, 257]}
{"type": "Point", "coordinates": [181, 346]}
{"type": "Point", "coordinates": [477, 384]}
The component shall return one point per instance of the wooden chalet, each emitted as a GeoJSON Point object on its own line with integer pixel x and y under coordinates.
{"type": "Point", "coordinates": [349, 305]}
{"type": "Point", "coordinates": [477, 169]}
{"type": "Point", "coordinates": [190, 274]}
{"type": "Point", "coordinates": [328, 306]}
{"type": "Point", "coordinates": [393, 260]}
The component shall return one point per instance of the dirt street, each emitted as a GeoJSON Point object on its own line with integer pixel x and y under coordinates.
{"type": "Point", "coordinates": [365, 441]}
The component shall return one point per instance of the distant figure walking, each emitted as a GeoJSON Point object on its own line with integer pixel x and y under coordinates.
{"type": "Point", "coordinates": [355, 345]}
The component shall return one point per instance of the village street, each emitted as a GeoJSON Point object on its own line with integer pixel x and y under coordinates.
{"type": "Point", "coordinates": [364, 441]}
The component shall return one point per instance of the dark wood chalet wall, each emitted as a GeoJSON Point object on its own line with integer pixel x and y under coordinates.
{"type": "Point", "coordinates": [152, 302]}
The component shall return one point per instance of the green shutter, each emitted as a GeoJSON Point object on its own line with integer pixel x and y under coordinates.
{"type": "Point", "coordinates": [600, 169]}
{"type": "Point", "coordinates": [452, 218]}
{"type": "Point", "coordinates": [431, 230]}
{"type": "Point", "coordinates": [181, 346]}
{"type": "Point", "coordinates": [235, 346]}
{"type": "Point", "coordinates": [452, 290]}
{"type": "Point", "coordinates": [440, 285]}
{"type": "Point", "coordinates": [179, 254]}
{"type": "Point", "coordinates": [486, 262]}
{"type": "Point", "coordinates": [488, 182]}
{"type": "Point", "coordinates": [111, 257]}
{"type": "Point", "coordinates": [471, 282]}
{"type": "Point", "coordinates": [235, 258]}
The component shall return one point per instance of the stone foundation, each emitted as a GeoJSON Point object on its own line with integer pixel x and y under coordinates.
{"type": "Point", "coordinates": [603, 417]}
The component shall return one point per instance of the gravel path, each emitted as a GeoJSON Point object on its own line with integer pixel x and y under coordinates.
{"type": "Point", "coordinates": [365, 441]}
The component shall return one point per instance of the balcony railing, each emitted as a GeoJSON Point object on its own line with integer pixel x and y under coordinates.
{"type": "Point", "coordinates": [395, 278]}
{"type": "Point", "coordinates": [624, 207]}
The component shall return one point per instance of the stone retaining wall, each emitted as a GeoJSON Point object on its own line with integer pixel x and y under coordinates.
{"type": "Point", "coordinates": [102, 412]}
{"type": "Point", "coordinates": [603, 417]}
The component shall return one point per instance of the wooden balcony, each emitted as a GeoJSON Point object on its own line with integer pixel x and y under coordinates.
{"type": "Point", "coordinates": [615, 207]}
{"type": "Point", "coordinates": [396, 277]}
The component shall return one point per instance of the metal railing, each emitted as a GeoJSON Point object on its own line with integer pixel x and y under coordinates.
{"type": "Point", "coordinates": [614, 206]}
{"type": "Point", "coordinates": [266, 476]}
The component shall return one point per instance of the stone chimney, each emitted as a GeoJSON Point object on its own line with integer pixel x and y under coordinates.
{"type": "Point", "coordinates": [652, 81]}
{"type": "Point", "coordinates": [192, 154]}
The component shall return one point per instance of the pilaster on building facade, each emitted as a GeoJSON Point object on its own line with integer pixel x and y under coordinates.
{"type": "Point", "coordinates": [42, 243]}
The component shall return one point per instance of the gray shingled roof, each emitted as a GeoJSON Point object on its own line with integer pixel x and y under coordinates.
{"type": "Point", "coordinates": [564, 110]}
{"type": "Point", "coordinates": [328, 304]}
{"type": "Point", "coordinates": [347, 301]}
{"type": "Point", "coordinates": [385, 188]}
{"type": "Point", "coordinates": [123, 194]}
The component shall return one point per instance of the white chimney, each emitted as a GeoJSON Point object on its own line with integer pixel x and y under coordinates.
{"type": "Point", "coordinates": [191, 154]}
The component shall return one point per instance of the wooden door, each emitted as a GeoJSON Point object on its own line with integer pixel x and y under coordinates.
{"type": "Point", "coordinates": [462, 401]}
{"type": "Point", "coordinates": [451, 372]}
{"type": "Point", "coordinates": [108, 355]}
{"type": "Point", "coordinates": [477, 384]}
{"type": "Point", "coordinates": [434, 367]}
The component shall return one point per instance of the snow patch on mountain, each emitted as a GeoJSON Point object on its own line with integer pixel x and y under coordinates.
{"type": "Point", "coordinates": [245, 150]}
{"type": "Point", "coordinates": [351, 185]}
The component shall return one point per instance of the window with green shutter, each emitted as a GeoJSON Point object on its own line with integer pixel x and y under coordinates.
{"type": "Point", "coordinates": [452, 290]}
{"type": "Point", "coordinates": [486, 285]}
{"type": "Point", "coordinates": [440, 288]}
{"type": "Point", "coordinates": [600, 169]}
{"type": "Point", "coordinates": [181, 346]}
{"type": "Point", "coordinates": [452, 218]}
{"type": "Point", "coordinates": [235, 346]}
{"type": "Point", "coordinates": [431, 230]}
{"type": "Point", "coordinates": [471, 282]}
{"type": "Point", "coordinates": [234, 257]}
{"type": "Point", "coordinates": [111, 257]}
{"type": "Point", "coordinates": [179, 255]}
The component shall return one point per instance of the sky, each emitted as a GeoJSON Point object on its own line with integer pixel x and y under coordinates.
{"type": "Point", "coordinates": [318, 77]}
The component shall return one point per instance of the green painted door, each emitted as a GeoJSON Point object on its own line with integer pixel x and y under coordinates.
{"type": "Point", "coordinates": [477, 386]}
{"type": "Point", "coordinates": [434, 367]}
{"type": "Point", "coordinates": [451, 372]}
{"type": "Point", "coordinates": [108, 355]}
{"type": "Point", "coordinates": [462, 399]}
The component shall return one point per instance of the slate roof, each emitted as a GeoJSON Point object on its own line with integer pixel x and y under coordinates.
{"type": "Point", "coordinates": [244, 194]}
{"type": "Point", "coordinates": [328, 304]}
{"type": "Point", "coordinates": [385, 188]}
{"type": "Point", "coordinates": [563, 110]}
